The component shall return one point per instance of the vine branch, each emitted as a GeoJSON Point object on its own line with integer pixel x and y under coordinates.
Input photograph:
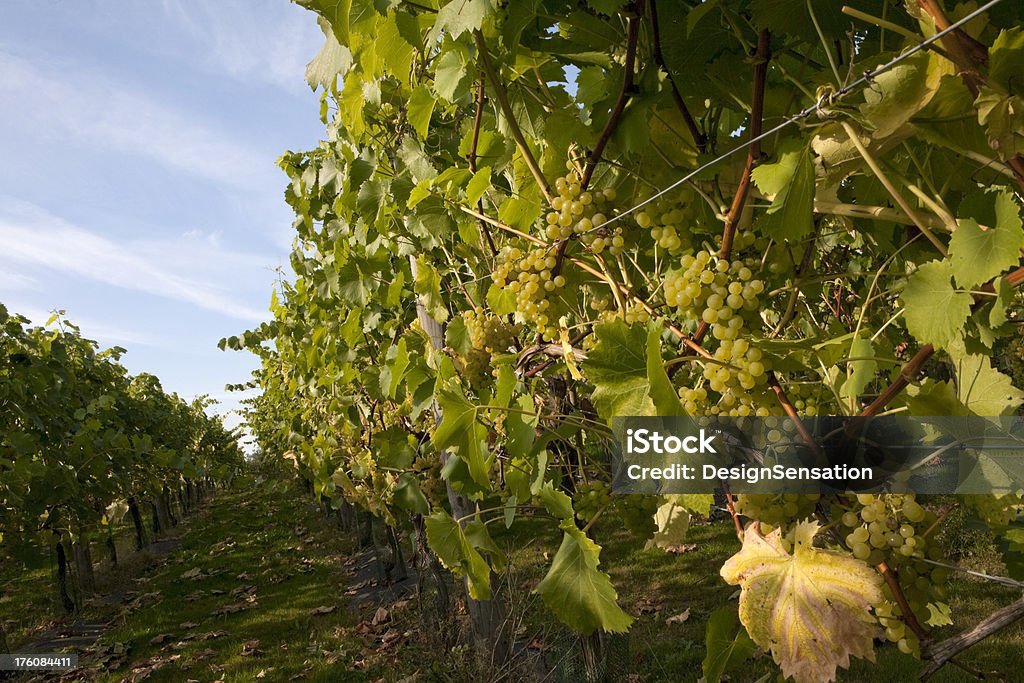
{"type": "Point", "coordinates": [506, 109]}
{"type": "Point", "coordinates": [699, 138]}
{"type": "Point", "coordinates": [943, 651]}
{"type": "Point", "coordinates": [761, 58]}
{"type": "Point", "coordinates": [970, 58]}
{"type": "Point", "coordinates": [624, 94]}
{"type": "Point", "coordinates": [913, 367]}
{"type": "Point", "coordinates": [477, 123]}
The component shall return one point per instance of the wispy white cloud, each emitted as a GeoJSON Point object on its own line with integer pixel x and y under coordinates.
{"type": "Point", "coordinates": [11, 281]}
{"type": "Point", "coordinates": [188, 269]}
{"type": "Point", "coordinates": [271, 45]}
{"type": "Point", "coordinates": [102, 332]}
{"type": "Point", "coordinates": [78, 107]}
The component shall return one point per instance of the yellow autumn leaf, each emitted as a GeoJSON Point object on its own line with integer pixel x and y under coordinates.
{"type": "Point", "coordinates": [810, 608]}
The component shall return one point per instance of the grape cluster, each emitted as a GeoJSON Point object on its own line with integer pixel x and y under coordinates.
{"type": "Point", "coordinates": [665, 228]}
{"type": "Point", "coordinates": [715, 290]}
{"type": "Point", "coordinates": [590, 498]}
{"type": "Point", "coordinates": [428, 469]}
{"type": "Point", "coordinates": [884, 527]}
{"type": "Point", "coordinates": [804, 397]}
{"type": "Point", "coordinates": [996, 510]}
{"type": "Point", "coordinates": [891, 528]}
{"type": "Point", "coordinates": [530, 275]}
{"type": "Point", "coordinates": [575, 211]}
{"type": "Point", "coordinates": [776, 509]}
{"type": "Point", "coordinates": [488, 332]}
{"type": "Point", "coordinates": [635, 512]}
{"type": "Point", "coordinates": [489, 335]}
{"type": "Point", "coordinates": [633, 313]}
{"type": "Point", "coordinates": [475, 367]}
{"type": "Point", "coordinates": [726, 296]}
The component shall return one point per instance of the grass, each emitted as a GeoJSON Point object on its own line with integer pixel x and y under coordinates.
{"type": "Point", "coordinates": [654, 585]}
{"type": "Point", "coordinates": [257, 591]}
{"type": "Point", "coordinates": [239, 599]}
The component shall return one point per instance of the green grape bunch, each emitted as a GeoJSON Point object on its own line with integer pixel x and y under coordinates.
{"type": "Point", "coordinates": [897, 530]}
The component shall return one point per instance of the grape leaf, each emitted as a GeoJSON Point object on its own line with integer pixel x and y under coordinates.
{"type": "Point", "coordinates": [810, 608]}
{"type": "Point", "coordinates": [1003, 118]}
{"type": "Point", "coordinates": [934, 398]}
{"type": "Point", "coordinates": [420, 108]}
{"type": "Point", "coordinates": [899, 93]}
{"type": "Point", "coordinates": [673, 522]}
{"type": "Point", "coordinates": [935, 312]}
{"type": "Point", "coordinates": [617, 366]}
{"type": "Point", "coordinates": [858, 372]}
{"type": "Point", "coordinates": [460, 430]}
{"type": "Point", "coordinates": [727, 644]}
{"type": "Point", "coordinates": [555, 502]}
{"type": "Point", "coordinates": [983, 389]}
{"type": "Point", "coordinates": [335, 12]}
{"type": "Point", "coordinates": [457, 554]}
{"type": "Point", "coordinates": [397, 361]}
{"type": "Point", "coordinates": [576, 591]}
{"type": "Point", "coordinates": [332, 59]}
{"type": "Point", "coordinates": [393, 50]}
{"type": "Point", "coordinates": [1006, 58]}
{"type": "Point", "coordinates": [519, 212]}
{"type": "Point", "coordinates": [478, 184]}
{"type": "Point", "coordinates": [451, 76]}
{"type": "Point", "coordinates": [980, 255]}
{"type": "Point", "coordinates": [456, 336]}
{"type": "Point", "coordinates": [428, 287]}
{"type": "Point", "coordinates": [459, 16]}
{"type": "Point", "coordinates": [939, 614]}
{"type": "Point", "coordinates": [664, 395]}
{"type": "Point", "coordinates": [699, 503]}
{"type": "Point", "coordinates": [791, 181]}
{"type": "Point", "coordinates": [408, 496]}
{"type": "Point", "coordinates": [348, 18]}
{"type": "Point", "coordinates": [698, 13]}
{"type": "Point", "coordinates": [773, 178]}
{"type": "Point", "coordinates": [1004, 295]}
{"type": "Point", "coordinates": [991, 462]}
{"type": "Point", "coordinates": [609, 7]}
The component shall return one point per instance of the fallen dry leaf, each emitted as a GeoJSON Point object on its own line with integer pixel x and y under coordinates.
{"type": "Point", "coordinates": [210, 635]}
{"type": "Point", "coordinates": [325, 609]}
{"type": "Point", "coordinates": [680, 549]}
{"type": "Point", "coordinates": [679, 618]}
{"type": "Point", "coordinates": [243, 590]}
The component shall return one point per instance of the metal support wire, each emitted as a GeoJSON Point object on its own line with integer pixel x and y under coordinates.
{"type": "Point", "coordinates": [823, 101]}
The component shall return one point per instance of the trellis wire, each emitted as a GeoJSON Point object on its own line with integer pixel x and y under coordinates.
{"type": "Point", "coordinates": [823, 100]}
{"type": "Point", "coordinates": [988, 577]}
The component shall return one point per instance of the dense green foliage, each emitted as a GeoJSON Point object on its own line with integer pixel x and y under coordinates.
{"type": "Point", "coordinates": [79, 437]}
{"type": "Point", "coordinates": [475, 297]}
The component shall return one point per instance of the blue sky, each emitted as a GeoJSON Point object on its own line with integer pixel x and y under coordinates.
{"type": "Point", "coordinates": [138, 189]}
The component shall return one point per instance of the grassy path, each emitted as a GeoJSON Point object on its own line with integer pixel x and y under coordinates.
{"type": "Point", "coordinates": [264, 587]}
{"type": "Point", "coordinates": [255, 591]}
